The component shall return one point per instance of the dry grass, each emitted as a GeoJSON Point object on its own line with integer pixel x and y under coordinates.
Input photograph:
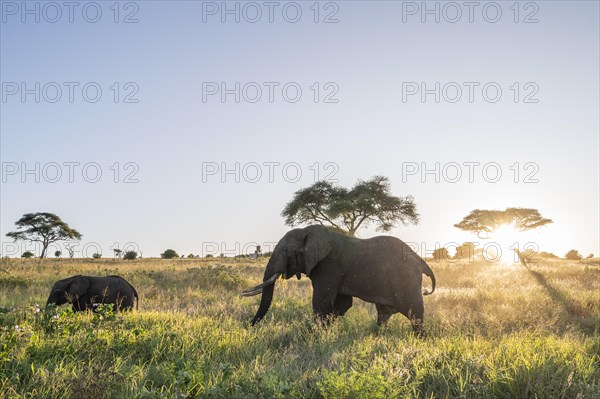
{"type": "Point", "coordinates": [495, 331]}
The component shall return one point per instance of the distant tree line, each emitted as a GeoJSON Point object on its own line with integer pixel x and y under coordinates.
{"type": "Point", "coordinates": [341, 209]}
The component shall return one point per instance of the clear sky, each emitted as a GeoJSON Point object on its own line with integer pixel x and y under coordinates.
{"type": "Point", "coordinates": [161, 120]}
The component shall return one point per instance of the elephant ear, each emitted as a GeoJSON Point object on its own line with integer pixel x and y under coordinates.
{"type": "Point", "coordinates": [78, 287]}
{"type": "Point", "coordinates": [62, 285]}
{"type": "Point", "coordinates": [318, 243]}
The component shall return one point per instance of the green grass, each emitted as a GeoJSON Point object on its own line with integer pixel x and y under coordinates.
{"type": "Point", "coordinates": [494, 332]}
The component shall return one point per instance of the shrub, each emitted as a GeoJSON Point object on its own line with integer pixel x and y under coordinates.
{"type": "Point", "coordinates": [96, 256]}
{"type": "Point", "coordinates": [440, 254]}
{"type": "Point", "coordinates": [130, 255]}
{"type": "Point", "coordinates": [573, 255]}
{"type": "Point", "coordinates": [57, 254]}
{"type": "Point", "coordinates": [27, 255]}
{"type": "Point", "coordinates": [465, 251]}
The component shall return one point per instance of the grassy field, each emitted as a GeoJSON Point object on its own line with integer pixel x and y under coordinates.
{"type": "Point", "coordinates": [494, 332]}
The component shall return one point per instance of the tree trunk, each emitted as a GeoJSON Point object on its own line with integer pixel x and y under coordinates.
{"type": "Point", "coordinates": [44, 248]}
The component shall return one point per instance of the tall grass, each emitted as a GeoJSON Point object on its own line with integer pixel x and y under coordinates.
{"type": "Point", "coordinates": [494, 332]}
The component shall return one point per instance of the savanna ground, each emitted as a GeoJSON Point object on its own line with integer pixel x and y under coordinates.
{"type": "Point", "coordinates": [494, 332]}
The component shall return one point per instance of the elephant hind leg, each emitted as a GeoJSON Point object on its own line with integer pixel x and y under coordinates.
{"type": "Point", "coordinates": [415, 314]}
{"type": "Point", "coordinates": [417, 325]}
{"type": "Point", "coordinates": [384, 312]}
{"type": "Point", "coordinates": [342, 304]}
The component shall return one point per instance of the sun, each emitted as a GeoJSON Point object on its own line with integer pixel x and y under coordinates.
{"type": "Point", "coordinates": [504, 238]}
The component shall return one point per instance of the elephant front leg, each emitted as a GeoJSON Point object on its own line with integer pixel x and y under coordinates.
{"type": "Point", "coordinates": [323, 306]}
{"type": "Point", "coordinates": [325, 302]}
{"type": "Point", "coordinates": [326, 311]}
{"type": "Point", "coordinates": [342, 304]}
{"type": "Point", "coordinates": [80, 304]}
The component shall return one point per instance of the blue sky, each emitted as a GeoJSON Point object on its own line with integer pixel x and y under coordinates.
{"type": "Point", "coordinates": [169, 135]}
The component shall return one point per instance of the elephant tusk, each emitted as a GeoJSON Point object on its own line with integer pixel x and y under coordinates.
{"type": "Point", "coordinates": [258, 289]}
{"type": "Point", "coordinates": [252, 293]}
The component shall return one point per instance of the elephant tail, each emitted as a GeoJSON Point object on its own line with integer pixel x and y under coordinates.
{"type": "Point", "coordinates": [428, 272]}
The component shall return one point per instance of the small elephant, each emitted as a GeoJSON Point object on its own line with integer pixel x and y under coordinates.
{"type": "Point", "coordinates": [381, 270]}
{"type": "Point", "coordinates": [83, 292]}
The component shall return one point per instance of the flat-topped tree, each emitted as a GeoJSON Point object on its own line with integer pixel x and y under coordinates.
{"type": "Point", "coordinates": [43, 227]}
{"type": "Point", "coordinates": [343, 210]}
{"type": "Point", "coordinates": [484, 222]}
{"type": "Point", "coordinates": [502, 225]}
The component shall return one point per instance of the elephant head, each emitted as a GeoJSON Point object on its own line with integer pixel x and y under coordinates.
{"type": "Point", "coordinates": [299, 251]}
{"type": "Point", "coordinates": [68, 290]}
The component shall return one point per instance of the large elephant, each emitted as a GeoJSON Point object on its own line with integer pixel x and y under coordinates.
{"type": "Point", "coordinates": [382, 270]}
{"type": "Point", "coordinates": [83, 292]}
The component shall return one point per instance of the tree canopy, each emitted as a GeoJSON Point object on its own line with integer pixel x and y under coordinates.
{"type": "Point", "coordinates": [484, 222]}
{"type": "Point", "coordinates": [368, 202]}
{"type": "Point", "coordinates": [43, 227]}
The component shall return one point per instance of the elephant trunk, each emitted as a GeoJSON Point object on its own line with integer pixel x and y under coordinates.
{"type": "Point", "coordinates": [51, 299]}
{"type": "Point", "coordinates": [274, 269]}
{"type": "Point", "coordinates": [265, 303]}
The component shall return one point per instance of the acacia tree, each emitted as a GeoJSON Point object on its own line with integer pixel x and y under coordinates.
{"type": "Point", "coordinates": [43, 227]}
{"type": "Point", "coordinates": [368, 202]}
{"type": "Point", "coordinates": [484, 222]}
